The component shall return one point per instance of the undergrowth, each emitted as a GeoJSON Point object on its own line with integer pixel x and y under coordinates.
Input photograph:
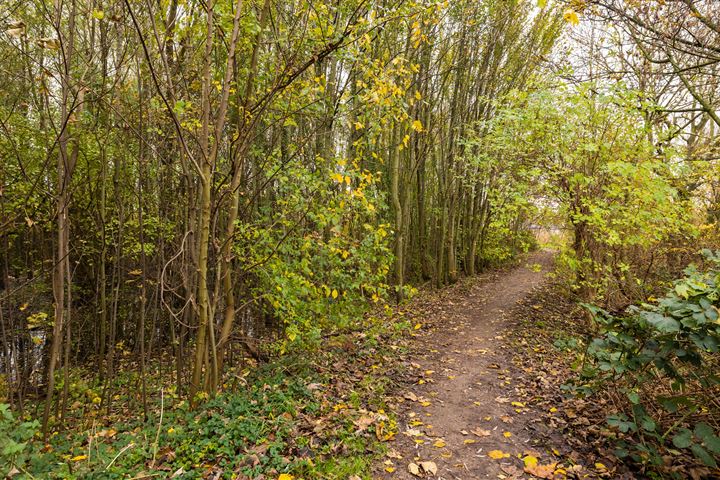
{"type": "Point", "coordinates": [309, 415]}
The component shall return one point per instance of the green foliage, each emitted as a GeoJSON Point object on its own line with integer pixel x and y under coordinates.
{"type": "Point", "coordinates": [285, 418]}
{"type": "Point", "coordinates": [590, 152]}
{"type": "Point", "coordinates": [673, 343]}
{"type": "Point", "coordinates": [15, 438]}
{"type": "Point", "coordinates": [323, 259]}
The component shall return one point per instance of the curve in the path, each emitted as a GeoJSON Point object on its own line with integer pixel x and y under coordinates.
{"type": "Point", "coordinates": [463, 408]}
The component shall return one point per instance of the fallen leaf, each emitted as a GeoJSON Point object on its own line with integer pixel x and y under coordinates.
{"type": "Point", "coordinates": [542, 471]}
{"type": "Point", "coordinates": [429, 467]}
{"type": "Point", "coordinates": [411, 396]}
{"type": "Point", "coordinates": [497, 454]}
{"type": "Point", "coordinates": [480, 432]}
{"type": "Point", "coordinates": [439, 444]}
{"type": "Point", "coordinates": [393, 454]}
{"type": "Point", "coordinates": [364, 422]}
{"type": "Point", "coordinates": [512, 470]}
{"type": "Point", "coordinates": [414, 469]}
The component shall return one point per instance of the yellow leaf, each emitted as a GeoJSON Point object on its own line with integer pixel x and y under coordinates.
{"type": "Point", "coordinates": [517, 404]}
{"type": "Point", "coordinates": [469, 441]}
{"type": "Point", "coordinates": [439, 444]}
{"type": "Point", "coordinates": [498, 454]}
{"type": "Point", "coordinates": [417, 326]}
{"type": "Point", "coordinates": [417, 126]}
{"type": "Point", "coordinates": [530, 461]}
{"type": "Point", "coordinates": [571, 16]}
{"type": "Point", "coordinates": [390, 469]}
{"type": "Point", "coordinates": [78, 458]}
{"type": "Point", "coordinates": [507, 434]}
{"type": "Point", "coordinates": [334, 293]}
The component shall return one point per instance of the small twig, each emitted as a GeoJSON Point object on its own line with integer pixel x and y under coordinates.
{"type": "Point", "coordinates": [129, 445]}
{"type": "Point", "coordinates": [157, 435]}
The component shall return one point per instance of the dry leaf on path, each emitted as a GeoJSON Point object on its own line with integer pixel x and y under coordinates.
{"type": "Point", "coordinates": [429, 467]}
{"type": "Point", "coordinates": [542, 471]}
{"type": "Point", "coordinates": [497, 454]}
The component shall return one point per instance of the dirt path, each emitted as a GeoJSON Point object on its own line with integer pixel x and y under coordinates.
{"type": "Point", "coordinates": [457, 403]}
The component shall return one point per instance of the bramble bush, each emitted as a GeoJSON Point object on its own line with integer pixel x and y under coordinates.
{"type": "Point", "coordinates": [663, 358]}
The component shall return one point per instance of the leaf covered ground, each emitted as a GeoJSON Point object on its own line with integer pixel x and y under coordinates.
{"type": "Point", "coordinates": [480, 392]}
{"type": "Point", "coordinates": [467, 382]}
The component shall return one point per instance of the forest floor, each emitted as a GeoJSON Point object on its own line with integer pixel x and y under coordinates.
{"type": "Point", "coordinates": [459, 383]}
{"type": "Point", "coordinates": [478, 395]}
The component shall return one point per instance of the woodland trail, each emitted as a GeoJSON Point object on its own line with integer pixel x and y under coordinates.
{"type": "Point", "coordinates": [458, 403]}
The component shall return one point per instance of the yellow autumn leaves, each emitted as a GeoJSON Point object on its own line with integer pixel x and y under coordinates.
{"type": "Point", "coordinates": [530, 463]}
{"type": "Point", "coordinates": [571, 16]}
{"type": "Point", "coordinates": [498, 454]}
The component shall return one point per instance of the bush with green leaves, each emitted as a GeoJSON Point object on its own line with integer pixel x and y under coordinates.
{"type": "Point", "coordinates": [663, 358]}
{"type": "Point", "coordinates": [15, 440]}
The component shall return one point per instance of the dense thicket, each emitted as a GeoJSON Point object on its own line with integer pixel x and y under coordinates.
{"type": "Point", "coordinates": [187, 178]}
{"type": "Point", "coordinates": [194, 176]}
